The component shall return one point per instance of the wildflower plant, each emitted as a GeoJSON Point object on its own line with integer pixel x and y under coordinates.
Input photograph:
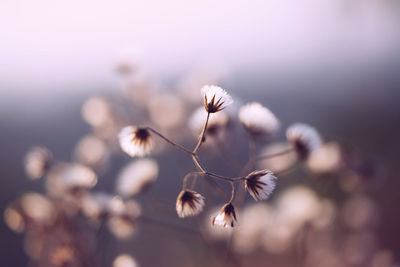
{"type": "Point", "coordinates": [257, 121]}
{"type": "Point", "coordinates": [72, 215]}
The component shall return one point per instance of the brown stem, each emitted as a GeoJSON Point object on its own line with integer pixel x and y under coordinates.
{"type": "Point", "coordinates": [280, 153]}
{"type": "Point", "coordinates": [290, 168]}
{"type": "Point", "coordinates": [182, 148]}
{"type": "Point", "coordinates": [233, 192]}
{"type": "Point", "coordinates": [187, 176]}
{"type": "Point", "coordinates": [203, 132]}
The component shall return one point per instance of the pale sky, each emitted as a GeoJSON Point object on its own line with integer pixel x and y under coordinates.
{"type": "Point", "coordinates": [49, 43]}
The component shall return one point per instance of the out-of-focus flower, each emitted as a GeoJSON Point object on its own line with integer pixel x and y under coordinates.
{"type": "Point", "coordinates": [358, 246]}
{"type": "Point", "coordinates": [37, 162]}
{"type": "Point", "coordinates": [359, 211]}
{"type": "Point", "coordinates": [62, 255]}
{"type": "Point", "coordinates": [326, 215]}
{"type": "Point", "coordinates": [297, 205]}
{"type": "Point", "coordinates": [135, 141]}
{"type": "Point", "coordinates": [255, 218]}
{"type": "Point", "coordinates": [189, 203]}
{"type": "Point", "coordinates": [125, 67]}
{"type": "Point", "coordinates": [326, 159]}
{"type": "Point", "coordinates": [215, 98]}
{"type": "Point", "coordinates": [166, 110]}
{"type": "Point", "coordinates": [66, 178]}
{"type": "Point", "coordinates": [123, 216]}
{"type": "Point", "coordinates": [97, 205]}
{"type": "Point", "coordinates": [383, 258]}
{"type": "Point", "coordinates": [37, 208]}
{"type": "Point", "coordinates": [14, 219]}
{"type": "Point", "coordinates": [124, 260]}
{"type": "Point", "coordinates": [277, 163]}
{"type": "Point", "coordinates": [135, 177]}
{"type": "Point", "coordinates": [216, 122]}
{"type": "Point", "coordinates": [258, 120]}
{"type": "Point", "coordinates": [97, 111]}
{"type": "Point", "coordinates": [260, 184]}
{"type": "Point", "coordinates": [138, 89]}
{"type": "Point", "coordinates": [304, 139]}
{"type": "Point", "coordinates": [226, 216]}
{"type": "Point", "coordinates": [91, 151]}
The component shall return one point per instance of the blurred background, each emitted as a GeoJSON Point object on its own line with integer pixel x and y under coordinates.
{"type": "Point", "coordinates": [333, 64]}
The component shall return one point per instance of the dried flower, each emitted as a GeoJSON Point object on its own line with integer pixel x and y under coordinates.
{"type": "Point", "coordinates": [225, 217]}
{"type": "Point", "coordinates": [303, 138]}
{"type": "Point", "coordinates": [215, 98]}
{"type": "Point", "coordinates": [258, 120]}
{"type": "Point", "coordinates": [189, 203]}
{"type": "Point", "coordinates": [135, 141]}
{"type": "Point", "coordinates": [260, 184]}
{"type": "Point", "coordinates": [135, 177]}
{"type": "Point", "coordinates": [37, 162]}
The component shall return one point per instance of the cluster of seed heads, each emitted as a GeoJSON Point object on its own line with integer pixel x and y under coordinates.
{"type": "Point", "coordinates": [257, 120]}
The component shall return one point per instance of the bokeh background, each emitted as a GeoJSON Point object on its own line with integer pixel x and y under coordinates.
{"type": "Point", "coordinates": [332, 63]}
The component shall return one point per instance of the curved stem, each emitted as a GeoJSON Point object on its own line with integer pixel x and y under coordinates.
{"type": "Point", "coordinates": [284, 152]}
{"type": "Point", "coordinates": [233, 193]}
{"type": "Point", "coordinates": [180, 147]}
{"type": "Point", "coordinates": [203, 133]}
{"type": "Point", "coordinates": [290, 168]}
{"type": "Point", "coordinates": [187, 176]}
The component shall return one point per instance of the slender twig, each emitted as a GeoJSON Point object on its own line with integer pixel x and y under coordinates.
{"type": "Point", "coordinates": [288, 169]}
{"type": "Point", "coordinates": [182, 148]}
{"type": "Point", "coordinates": [280, 153]}
{"type": "Point", "coordinates": [195, 157]}
{"type": "Point", "coordinates": [233, 192]}
{"type": "Point", "coordinates": [187, 176]}
{"type": "Point", "coordinates": [202, 135]}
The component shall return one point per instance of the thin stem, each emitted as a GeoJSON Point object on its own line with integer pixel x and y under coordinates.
{"type": "Point", "coordinates": [198, 164]}
{"type": "Point", "coordinates": [203, 132]}
{"type": "Point", "coordinates": [290, 168]}
{"type": "Point", "coordinates": [182, 148]}
{"type": "Point", "coordinates": [234, 180]}
{"type": "Point", "coordinates": [204, 172]}
{"type": "Point", "coordinates": [280, 153]}
{"type": "Point", "coordinates": [233, 192]}
{"type": "Point", "coordinates": [187, 176]}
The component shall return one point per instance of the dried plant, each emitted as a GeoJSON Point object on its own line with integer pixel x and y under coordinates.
{"type": "Point", "coordinates": [64, 226]}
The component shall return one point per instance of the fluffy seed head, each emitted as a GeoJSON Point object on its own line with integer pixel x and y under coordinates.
{"type": "Point", "coordinates": [260, 184]}
{"type": "Point", "coordinates": [258, 120]}
{"type": "Point", "coordinates": [135, 177]}
{"type": "Point", "coordinates": [303, 138]}
{"type": "Point", "coordinates": [135, 141]}
{"type": "Point", "coordinates": [215, 98]}
{"type": "Point", "coordinates": [226, 216]}
{"type": "Point", "coordinates": [189, 203]}
{"type": "Point", "coordinates": [37, 162]}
